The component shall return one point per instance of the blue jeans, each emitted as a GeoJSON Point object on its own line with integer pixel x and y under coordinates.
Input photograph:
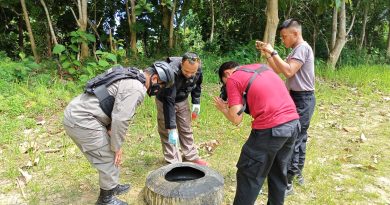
{"type": "Point", "coordinates": [305, 102]}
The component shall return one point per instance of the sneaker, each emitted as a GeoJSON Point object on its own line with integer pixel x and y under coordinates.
{"type": "Point", "coordinates": [300, 180]}
{"type": "Point", "coordinates": [200, 162]}
{"type": "Point", "coordinates": [289, 190]}
{"type": "Point", "coordinates": [121, 189]}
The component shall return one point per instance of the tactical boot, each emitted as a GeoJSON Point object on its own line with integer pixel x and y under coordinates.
{"type": "Point", "coordinates": [121, 189]}
{"type": "Point", "coordinates": [107, 197]}
{"type": "Point", "coordinates": [300, 180]}
{"type": "Point", "coordinates": [289, 190]}
{"type": "Point", "coordinates": [290, 178]}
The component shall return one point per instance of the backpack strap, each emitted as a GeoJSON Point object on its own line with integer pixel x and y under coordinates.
{"type": "Point", "coordinates": [253, 77]}
{"type": "Point", "coordinates": [98, 85]}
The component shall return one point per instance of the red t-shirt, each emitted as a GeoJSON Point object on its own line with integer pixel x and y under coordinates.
{"type": "Point", "coordinates": [269, 101]}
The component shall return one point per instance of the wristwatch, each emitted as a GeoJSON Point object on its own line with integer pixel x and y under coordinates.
{"type": "Point", "coordinates": [274, 53]}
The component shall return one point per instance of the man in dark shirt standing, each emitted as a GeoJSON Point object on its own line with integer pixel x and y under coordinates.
{"type": "Point", "coordinates": [173, 111]}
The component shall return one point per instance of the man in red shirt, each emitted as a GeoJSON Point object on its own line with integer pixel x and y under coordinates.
{"type": "Point", "coordinates": [275, 126]}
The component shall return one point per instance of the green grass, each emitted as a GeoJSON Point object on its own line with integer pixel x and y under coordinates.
{"type": "Point", "coordinates": [339, 170]}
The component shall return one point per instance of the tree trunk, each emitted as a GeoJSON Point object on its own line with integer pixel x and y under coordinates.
{"type": "Point", "coordinates": [20, 33]}
{"type": "Point", "coordinates": [341, 37]}
{"type": "Point", "coordinates": [53, 36]}
{"type": "Point", "coordinates": [30, 33]}
{"type": "Point", "coordinates": [315, 35]}
{"type": "Point", "coordinates": [212, 21]}
{"type": "Point", "coordinates": [131, 19]}
{"type": "Point", "coordinates": [83, 22]}
{"type": "Point", "coordinates": [334, 28]}
{"type": "Point", "coordinates": [272, 22]}
{"type": "Point", "coordinates": [388, 40]}
{"type": "Point", "coordinates": [363, 34]}
{"type": "Point", "coordinates": [49, 43]}
{"type": "Point", "coordinates": [165, 27]}
{"type": "Point", "coordinates": [110, 41]}
{"type": "Point", "coordinates": [133, 33]}
{"type": "Point", "coordinates": [165, 17]}
{"type": "Point", "coordinates": [170, 44]}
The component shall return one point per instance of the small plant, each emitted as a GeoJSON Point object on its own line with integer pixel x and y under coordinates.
{"type": "Point", "coordinates": [84, 70]}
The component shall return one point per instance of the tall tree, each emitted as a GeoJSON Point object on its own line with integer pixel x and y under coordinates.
{"type": "Point", "coordinates": [171, 24]}
{"type": "Point", "coordinates": [82, 22]}
{"type": "Point", "coordinates": [212, 21]}
{"type": "Point", "coordinates": [30, 33]}
{"type": "Point", "coordinates": [131, 18]}
{"type": "Point", "coordinates": [342, 34]}
{"type": "Point", "coordinates": [388, 38]}
{"type": "Point", "coordinates": [334, 26]}
{"type": "Point", "coordinates": [53, 35]}
{"type": "Point", "coordinates": [272, 21]}
{"type": "Point", "coordinates": [363, 32]}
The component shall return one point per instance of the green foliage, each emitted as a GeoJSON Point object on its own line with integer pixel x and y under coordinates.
{"type": "Point", "coordinates": [141, 6]}
{"type": "Point", "coordinates": [68, 57]}
{"type": "Point", "coordinates": [81, 37]}
{"type": "Point", "coordinates": [17, 70]}
{"type": "Point", "coordinates": [192, 34]}
{"type": "Point", "coordinates": [355, 57]}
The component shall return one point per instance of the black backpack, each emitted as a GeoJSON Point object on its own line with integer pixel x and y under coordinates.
{"type": "Point", "coordinates": [256, 72]}
{"type": "Point", "coordinates": [98, 85]}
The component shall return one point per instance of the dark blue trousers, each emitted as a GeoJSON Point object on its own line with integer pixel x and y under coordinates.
{"type": "Point", "coordinates": [305, 102]}
{"type": "Point", "coordinates": [266, 153]}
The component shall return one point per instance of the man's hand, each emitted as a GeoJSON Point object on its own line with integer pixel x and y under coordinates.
{"type": "Point", "coordinates": [220, 104]}
{"type": "Point", "coordinates": [265, 48]}
{"type": "Point", "coordinates": [172, 136]}
{"type": "Point", "coordinates": [118, 157]}
{"type": "Point", "coordinates": [195, 111]}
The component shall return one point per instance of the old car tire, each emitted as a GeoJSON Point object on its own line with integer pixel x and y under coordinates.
{"type": "Point", "coordinates": [185, 184]}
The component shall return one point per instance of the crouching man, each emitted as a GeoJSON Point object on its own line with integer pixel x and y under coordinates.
{"type": "Point", "coordinates": [258, 91]}
{"type": "Point", "coordinates": [97, 120]}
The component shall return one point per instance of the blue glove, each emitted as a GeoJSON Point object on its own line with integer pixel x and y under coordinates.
{"type": "Point", "coordinates": [196, 108]}
{"type": "Point", "coordinates": [172, 136]}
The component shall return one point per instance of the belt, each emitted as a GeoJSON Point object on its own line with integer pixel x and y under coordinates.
{"type": "Point", "coordinates": [292, 92]}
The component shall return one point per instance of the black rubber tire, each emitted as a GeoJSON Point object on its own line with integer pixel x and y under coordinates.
{"type": "Point", "coordinates": [207, 190]}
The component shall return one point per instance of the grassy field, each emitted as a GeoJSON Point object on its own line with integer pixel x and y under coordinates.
{"type": "Point", "coordinates": [347, 161]}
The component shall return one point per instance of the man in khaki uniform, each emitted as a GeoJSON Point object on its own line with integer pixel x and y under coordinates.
{"type": "Point", "coordinates": [100, 135]}
{"type": "Point", "coordinates": [173, 111]}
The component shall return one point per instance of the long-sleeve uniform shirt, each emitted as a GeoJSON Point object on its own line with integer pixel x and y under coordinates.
{"type": "Point", "coordinates": [84, 111]}
{"type": "Point", "coordinates": [179, 92]}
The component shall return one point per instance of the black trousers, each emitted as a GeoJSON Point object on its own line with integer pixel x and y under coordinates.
{"type": "Point", "coordinates": [266, 153]}
{"type": "Point", "coordinates": [305, 102]}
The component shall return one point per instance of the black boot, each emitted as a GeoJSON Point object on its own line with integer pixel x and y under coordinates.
{"type": "Point", "coordinates": [107, 197]}
{"type": "Point", "coordinates": [121, 189]}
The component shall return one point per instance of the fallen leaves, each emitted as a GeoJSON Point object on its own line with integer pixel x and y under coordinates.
{"type": "Point", "coordinates": [350, 129]}
{"type": "Point", "coordinates": [360, 166]}
{"type": "Point", "coordinates": [27, 147]}
{"type": "Point", "coordinates": [363, 138]}
{"type": "Point", "coordinates": [23, 180]}
{"type": "Point", "coordinates": [209, 146]}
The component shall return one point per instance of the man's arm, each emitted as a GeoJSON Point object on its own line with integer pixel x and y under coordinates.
{"type": "Point", "coordinates": [288, 69]}
{"type": "Point", "coordinates": [168, 101]}
{"type": "Point", "coordinates": [197, 91]}
{"type": "Point", "coordinates": [229, 112]}
{"type": "Point", "coordinates": [131, 95]}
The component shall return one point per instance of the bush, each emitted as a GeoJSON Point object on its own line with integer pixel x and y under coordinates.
{"type": "Point", "coordinates": [11, 71]}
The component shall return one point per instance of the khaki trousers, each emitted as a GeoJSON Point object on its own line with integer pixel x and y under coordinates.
{"type": "Point", "coordinates": [186, 138]}
{"type": "Point", "coordinates": [102, 158]}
